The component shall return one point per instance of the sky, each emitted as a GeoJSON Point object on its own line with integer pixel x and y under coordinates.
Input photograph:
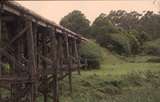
{"type": "Point", "coordinates": [55, 10]}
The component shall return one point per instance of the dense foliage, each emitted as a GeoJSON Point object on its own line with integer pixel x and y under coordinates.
{"type": "Point", "coordinates": [152, 47]}
{"type": "Point", "coordinates": [125, 33]}
{"type": "Point", "coordinates": [92, 53]}
{"type": "Point", "coordinates": [133, 79]}
{"type": "Point", "coordinates": [77, 22]}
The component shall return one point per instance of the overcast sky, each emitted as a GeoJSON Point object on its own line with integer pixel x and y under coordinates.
{"type": "Point", "coordinates": [55, 10]}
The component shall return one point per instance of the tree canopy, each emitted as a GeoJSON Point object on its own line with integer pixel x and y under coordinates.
{"type": "Point", "coordinates": [120, 31]}
{"type": "Point", "coordinates": [77, 22]}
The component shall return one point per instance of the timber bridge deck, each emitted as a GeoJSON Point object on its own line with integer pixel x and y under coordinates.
{"type": "Point", "coordinates": [35, 54]}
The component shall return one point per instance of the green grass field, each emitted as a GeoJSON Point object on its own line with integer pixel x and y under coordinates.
{"type": "Point", "coordinates": [117, 81]}
{"type": "Point", "coordinates": [132, 79]}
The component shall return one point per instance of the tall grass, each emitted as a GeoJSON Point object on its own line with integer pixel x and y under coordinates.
{"type": "Point", "coordinates": [132, 87]}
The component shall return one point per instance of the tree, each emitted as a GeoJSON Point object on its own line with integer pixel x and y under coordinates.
{"type": "Point", "coordinates": [107, 35]}
{"type": "Point", "coordinates": [102, 25]}
{"type": "Point", "coordinates": [77, 22]}
{"type": "Point", "coordinates": [150, 23]}
{"type": "Point", "coordinates": [113, 37]}
{"type": "Point", "coordinates": [125, 20]}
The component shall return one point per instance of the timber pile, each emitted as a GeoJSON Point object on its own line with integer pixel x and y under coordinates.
{"type": "Point", "coordinates": [35, 54]}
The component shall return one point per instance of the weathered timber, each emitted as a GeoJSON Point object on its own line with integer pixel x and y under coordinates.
{"type": "Point", "coordinates": [35, 55]}
{"type": "Point", "coordinates": [31, 55]}
{"type": "Point", "coordinates": [69, 62]}
{"type": "Point", "coordinates": [0, 45]}
{"type": "Point", "coordinates": [17, 36]}
{"type": "Point", "coordinates": [77, 56]}
{"type": "Point", "coordinates": [55, 65]}
{"type": "Point", "coordinates": [0, 40]}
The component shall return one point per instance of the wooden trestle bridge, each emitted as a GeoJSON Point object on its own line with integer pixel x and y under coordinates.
{"type": "Point", "coordinates": [35, 54]}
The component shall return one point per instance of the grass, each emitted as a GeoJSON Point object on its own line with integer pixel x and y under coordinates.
{"type": "Point", "coordinates": [116, 82]}
{"type": "Point", "coordinates": [120, 79]}
{"type": "Point", "coordinates": [116, 70]}
{"type": "Point", "coordinates": [132, 80]}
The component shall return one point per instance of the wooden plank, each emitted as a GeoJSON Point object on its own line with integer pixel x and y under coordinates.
{"type": "Point", "coordinates": [19, 10]}
{"type": "Point", "coordinates": [11, 10]}
{"type": "Point", "coordinates": [19, 13]}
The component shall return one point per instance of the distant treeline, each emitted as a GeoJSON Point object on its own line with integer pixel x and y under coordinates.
{"type": "Point", "coordinates": [122, 32]}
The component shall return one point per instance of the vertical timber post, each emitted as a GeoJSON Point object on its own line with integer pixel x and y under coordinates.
{"type": "Point", "coordinates": [69, 62]}
{"type": "Point", "coordinates": [0, 36]}
{"type": "Point", "coordinates": [35, 31]}
{"type": "Point", "coordinates": [0, 41]}
{"type": "Point", "coordinates": [44, 78]}
{"type": "Point", "coordinates": [31, 56]}
{"type": "Point", "coordinates": [61, 55]}
{"type": "Point", "coordinates": [54, 64]}
{"type": "Point", "coordinates": [58, 61]}
{"type": "Point", "coordinates": [77, 55]}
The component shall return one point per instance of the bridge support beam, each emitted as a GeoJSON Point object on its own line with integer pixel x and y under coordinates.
{"type": "Point", "coordinates": [55, 64]}
{"type": "Point", "coordinates": [69, 61]}
{"type": "Point", "coordinates": [77, 56]}
{"type": "Point", "coordinates": [0, 46]}
{"type": "Point", "coordinates": [38, 56]}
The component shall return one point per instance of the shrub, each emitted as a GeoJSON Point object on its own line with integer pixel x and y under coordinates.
{"type": "Point", "coordinates": [122, 42]}
{"type": "Point", "coordinates": [154, 60]}
{"type": "Point", "coordinates": [152, 47]}
{"type": "Point", "coordinates": [93, 63]}
{"type": "Point", "coordinates": [92, 53]}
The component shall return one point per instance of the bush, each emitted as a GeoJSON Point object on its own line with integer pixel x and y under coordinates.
{"type": "Point", "coordinates": [122, 42]}
{"type": "Point", "coordinates": [92, 53]}
{"type": "Point", "coordinates": [93, 63]}
{"type": "Point", "coordinates": [154, 60]}
{"type": "Point", "coordinates": [152, 47]}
